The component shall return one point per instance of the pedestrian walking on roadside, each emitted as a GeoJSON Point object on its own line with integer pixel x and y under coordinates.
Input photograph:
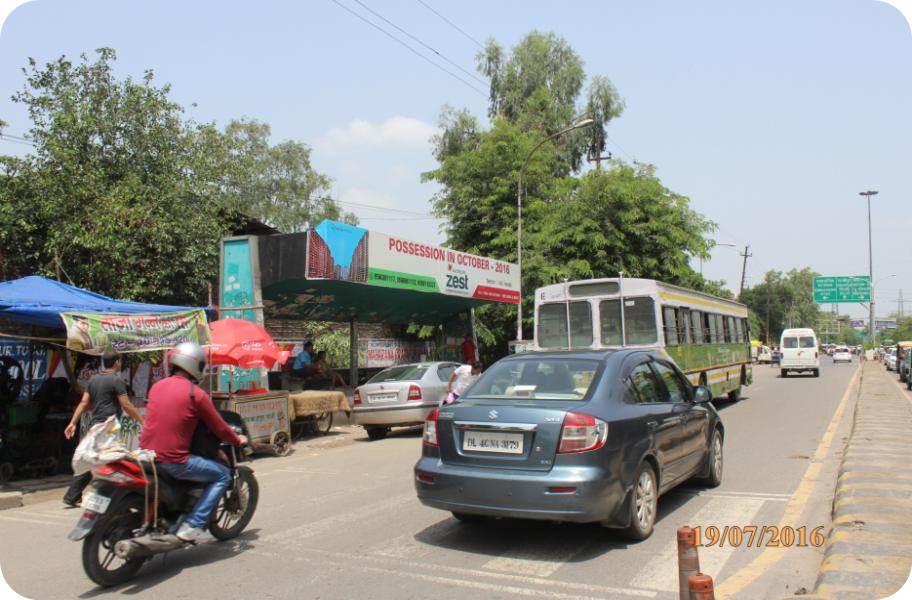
{"type": "Point", "coordinates": [106, 395]}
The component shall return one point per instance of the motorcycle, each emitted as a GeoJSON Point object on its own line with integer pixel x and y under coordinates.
{"type": "Point", "coordinates": [132, 511]}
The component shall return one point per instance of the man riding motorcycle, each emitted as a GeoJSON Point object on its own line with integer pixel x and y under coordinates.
{"type": "Point", "coordinates": [175, 407]}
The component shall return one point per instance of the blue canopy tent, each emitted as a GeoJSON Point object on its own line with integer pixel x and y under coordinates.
{"type": "Point", "coordinates": [38, 301]}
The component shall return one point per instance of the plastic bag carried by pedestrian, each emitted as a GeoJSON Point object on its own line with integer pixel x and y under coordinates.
{"type": "Point", "coordinates": [103, 444]}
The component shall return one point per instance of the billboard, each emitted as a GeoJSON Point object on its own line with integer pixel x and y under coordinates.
{"type": "Point", "coordinates": [844, 288]}
{"type": "Point", "coordinates": [345, 252]}
{"type": "Point", "coordinates": [102, 333]}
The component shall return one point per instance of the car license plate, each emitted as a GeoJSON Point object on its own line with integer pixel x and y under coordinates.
{"type": "Point", "coordinates": [383, 397]}
{"type": "Point", "coordinates": [484, 441]}
{"type": "Point", "coordinates": [95, 502]}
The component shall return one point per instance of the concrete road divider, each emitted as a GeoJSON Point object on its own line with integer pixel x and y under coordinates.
{"type": "Point", "coordinates": [869, 549]}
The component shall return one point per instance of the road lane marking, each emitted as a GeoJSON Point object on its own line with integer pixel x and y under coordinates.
{"type": "Point", "coordinates": [326, 525]}
{"type": "Point", "coordinates": [661, 572]}
{"type": "Point", "coordinates": [406, 546]}
{"type": "Point", "coordinates": [473, 575]}
{"type": "Point", "coordinates": [731, 586]}
{"type": "Point", "coordinates": [536, 558]}
{"type": "Point", "coordinates": [768, 497]}
{"type": "Point", "coordinates": [32, 521]}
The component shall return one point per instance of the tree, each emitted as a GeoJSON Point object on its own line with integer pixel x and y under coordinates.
{"type": "Point", "coordinates": [783, 301]}
{"type": "Point", "coordinates": [106, 199]}
{"type": "Point", "coordinates": [619, 219]}
{"type": "Point", "coordinates": [127, 197]}
{"type": "Point", "coordinates": [275, 184]}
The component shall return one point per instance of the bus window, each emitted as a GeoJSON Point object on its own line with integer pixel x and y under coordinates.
{"type": "Point", "coordinates": [710, 329]}
{"type": "Point", "coordinates": [610, 317]}
{"type": "Point", "coordinates": [639, 320]}
{"type": "Point", "coordinates": [696, 326]}
{"type": "Point", "coordinates": [670, 326]}
{"type": "Point", "coordinates": [580, 325]}
{"type": "Point", "coordinates": [683, 325]}
{"type": "Point", "coordinates": [552, 325]}
{"type": "Point", "coordinates": [720, 329]}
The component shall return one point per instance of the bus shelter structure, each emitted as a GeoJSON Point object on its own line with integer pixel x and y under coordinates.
{"type": "Point", "coordinates": [346, 274]}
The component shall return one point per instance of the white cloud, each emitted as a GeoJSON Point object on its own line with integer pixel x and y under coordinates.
{"type": "Point", "coordinates": [399, 132]}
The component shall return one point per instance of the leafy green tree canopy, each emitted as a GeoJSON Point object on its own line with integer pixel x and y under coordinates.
{"type": "Point", "coordinates": [782, 301]}
{"type": "Point", "coordinates": [125, 196]}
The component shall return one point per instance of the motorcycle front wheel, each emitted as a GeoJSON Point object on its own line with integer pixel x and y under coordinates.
{"type": "Point", "coordinates": [99, 561]}
{"type": "Point", "coordinates": [236, 506]}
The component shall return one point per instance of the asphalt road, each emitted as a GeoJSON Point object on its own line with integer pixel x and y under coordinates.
{"type": "Point", "coordinates": [343, 522]}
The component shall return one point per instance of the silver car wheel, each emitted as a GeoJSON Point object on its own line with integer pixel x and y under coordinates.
{"type": "Point", "coordinates": [645, 500]}
{"type": "Point", "coordinates": [717, 457]}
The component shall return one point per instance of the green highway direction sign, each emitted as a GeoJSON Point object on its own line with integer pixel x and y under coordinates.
{"type": "Point", "coordinates": [847, 288]}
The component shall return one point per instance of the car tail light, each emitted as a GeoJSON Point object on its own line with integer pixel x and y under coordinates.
{"type": "Point", "coordinates": [121, 473]}
{"type": "Point", "coordinates": [357, 397]}
{"type": "Point", "coordinates": [430, 429]}
{"type": "Point", "coordinates": [414, 392]}
{"type": "Point", "coordinates": [581, 433]}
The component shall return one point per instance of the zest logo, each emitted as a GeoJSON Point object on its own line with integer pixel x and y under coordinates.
{"type": "Point", "coordinates": [457, 282]}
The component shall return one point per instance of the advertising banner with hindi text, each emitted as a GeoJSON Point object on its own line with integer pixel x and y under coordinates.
{"type": "Point", "coordinates": [103, 333]}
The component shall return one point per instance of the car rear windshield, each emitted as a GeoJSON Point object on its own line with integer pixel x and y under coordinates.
{"type": "Point", "coordinates": [541, 378]}
{"type": "Point", "coordinates": [807, 342]}
{"type": "Point", "coordinates": [402, 373]}
{"type": "Point", "coordinates": [790, 342]}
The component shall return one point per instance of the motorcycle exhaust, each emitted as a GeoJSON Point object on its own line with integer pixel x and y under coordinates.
{"type": "Point", "coordinates": [148, 545]}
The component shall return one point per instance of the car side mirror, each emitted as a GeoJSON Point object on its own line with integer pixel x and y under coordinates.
{"type": "Point", "coordinates": [702, 394]}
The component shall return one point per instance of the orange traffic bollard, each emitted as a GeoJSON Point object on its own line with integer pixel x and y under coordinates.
{"type": "Point", "coordinates": [701, 587]}
{"type": "Point", "coordinates": [688, 560]}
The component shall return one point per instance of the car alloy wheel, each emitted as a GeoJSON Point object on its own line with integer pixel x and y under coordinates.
{"type": "Point", "coordinates": [645, 500]}
{"type": "Point", "coordinates": [717, 457]}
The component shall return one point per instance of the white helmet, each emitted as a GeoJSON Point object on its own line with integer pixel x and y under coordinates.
{"type": "Point", "coordinates": [190, 357]}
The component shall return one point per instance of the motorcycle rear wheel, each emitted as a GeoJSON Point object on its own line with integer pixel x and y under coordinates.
{"type": "Point", "coordinates": [98, 548]}
{"type": "Point", "coordinates": [236, 507]}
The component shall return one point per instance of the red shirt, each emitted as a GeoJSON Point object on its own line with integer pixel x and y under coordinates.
{"type": "Point", "coordinates": [171, 418]}
{"type": "Point", "coordinates": [468, 352]}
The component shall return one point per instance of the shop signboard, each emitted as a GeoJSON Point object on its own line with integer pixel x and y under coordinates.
{"type": "Point", "coordinates": [345, 252]}
{"type": "Point", "coordinates": [102, 333]}
{"type": "Point", "coordinates": [31, 360]}
{"type": "Point", "coordinates": [239, 299]}
{"type": "Point", "coordinates": [388, 352]}
{"type": "Point", "coordinates": [264, 416]}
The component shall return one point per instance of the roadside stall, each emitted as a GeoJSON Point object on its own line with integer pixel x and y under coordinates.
{"type": "Point", "coordinates": [67, 329]}
{"type": "Point", "coordinates": [236, 343]}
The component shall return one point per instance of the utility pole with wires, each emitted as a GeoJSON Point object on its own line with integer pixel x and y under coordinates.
{"type": "Point", "coordinates": [594, 156]}
{"type": "Point", "coordinates": [746, 254]}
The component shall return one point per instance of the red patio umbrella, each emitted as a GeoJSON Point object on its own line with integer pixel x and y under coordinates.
{"type": "Point", "coordinates": [243, 344]}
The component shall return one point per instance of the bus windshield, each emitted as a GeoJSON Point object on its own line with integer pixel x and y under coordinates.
{"type": "Point", "coordinates": [639, 321]}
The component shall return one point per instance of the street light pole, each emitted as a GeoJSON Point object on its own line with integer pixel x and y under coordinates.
{"type": "Point", "coordinates": [873, 290]}
{"type": "Point", "coordinates": [519, 197]}
{"type": "Point", "coordinates": [871, 331]}
{"type": "Point", "coordinates": [715, 243]}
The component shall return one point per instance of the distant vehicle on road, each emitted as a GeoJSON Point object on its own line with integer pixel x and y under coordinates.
{"type": "Point", "coordinates": [842, 354]}
{"type": "Point", "coordinates": [889, 359]}
{"type": "Point", "coordinates": [707, 337]}
{"type": "Point", "coordinates": [581, 436]}
{"type": "Point", "coordinates": [902, 364]}
{"type": "Point", "coordinates": [799, 352]}
{"type": "Point", "coordinates": [765, 355]}
{"type": "Point", "coordinates": [400, 396]}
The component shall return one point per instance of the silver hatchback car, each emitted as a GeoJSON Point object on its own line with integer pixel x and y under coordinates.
{"type": "Point", "coordinates": [400, 396]}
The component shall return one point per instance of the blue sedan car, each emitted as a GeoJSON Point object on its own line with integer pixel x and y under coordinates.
{"type": "Point", "coordinates": [578, 436]}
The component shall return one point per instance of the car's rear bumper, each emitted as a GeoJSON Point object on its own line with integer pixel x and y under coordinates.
{"type": "Point", "coordinates": [597, 495]}
{"type": "Point", "coordinates": [410, 414]}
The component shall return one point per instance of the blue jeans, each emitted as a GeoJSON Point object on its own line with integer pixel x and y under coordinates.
{"type": "Point", "coordinates": [201, 469]}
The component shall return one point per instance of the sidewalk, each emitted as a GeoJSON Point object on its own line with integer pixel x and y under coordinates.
{"type": "Point", "coordinates": [869, 549]}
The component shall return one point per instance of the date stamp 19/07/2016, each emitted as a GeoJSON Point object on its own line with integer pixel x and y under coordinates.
{"type": "Point", "coordinates": [770, 536]}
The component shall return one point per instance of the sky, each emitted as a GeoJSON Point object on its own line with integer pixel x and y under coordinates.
{"type": "Point", "coordinates": [770, 116]}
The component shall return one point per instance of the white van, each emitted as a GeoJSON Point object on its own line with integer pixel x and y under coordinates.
{"type": "Point", "coordinates": [799, 352]}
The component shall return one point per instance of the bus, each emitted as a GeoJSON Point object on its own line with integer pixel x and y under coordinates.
{"type": "Point", "coordinates": [707, 337]}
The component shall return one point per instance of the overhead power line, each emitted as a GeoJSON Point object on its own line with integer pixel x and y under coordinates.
{"type": "Point", "coordinates": [410, 48]}
{"type": "Point", "coordinates": [434, 50]}
{"type": "Point", "coordinates": [452, 24]}
{"type": "Point", "coordinates": [17, 139]}
{"type": "Point", "coordinates": [384, 208]}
